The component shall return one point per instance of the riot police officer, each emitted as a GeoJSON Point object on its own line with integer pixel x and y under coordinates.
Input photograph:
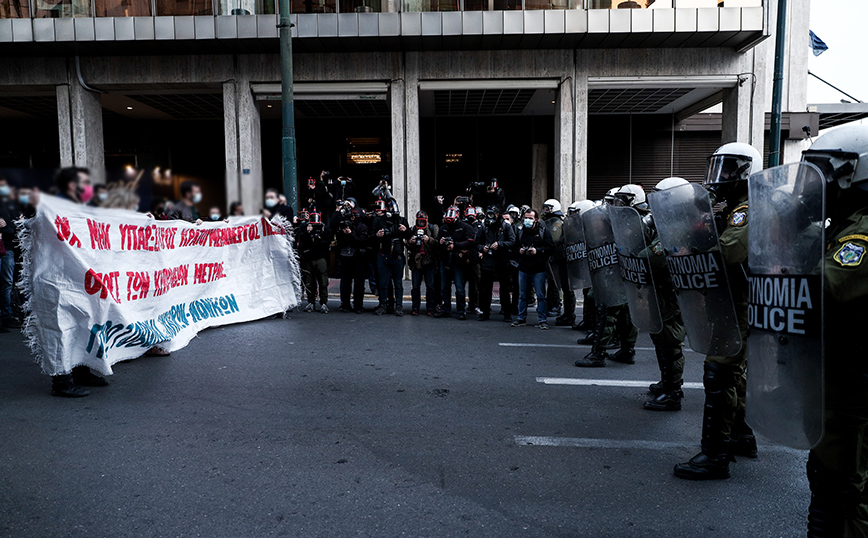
{"type": "Point", "coordinates": [838, 465]}
{"type": "Point", "coordinates": [724, 431]}
{"type": "Point", "coordinates": [559, 279]}
{"type": "Point", "coordinates": [666, 395]}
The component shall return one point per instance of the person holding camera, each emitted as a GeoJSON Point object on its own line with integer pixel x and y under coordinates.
{"type": "Point", "coordinates": [313, 248]}
{"type": "Point", "coordinates": [340, 188]}
{"type": "Point", "coordinates": [457, 246]}
{"type": "Point", "coordinates": [317, 198]}
{"type": "Point", "coordinates": [424, 262]}
{"type": "Point", "coordinates": [351, 240]}
{"type": "Point", "coordinates": [390, 232]}
{"type": "Point", "coordinates": [495, 242]}
{"type": "Point", "coordinates": [487, 194]}
{"type": "Point", "coordinates": [474, 219]}
{"type": "Point", "coordinates": [535, 244]}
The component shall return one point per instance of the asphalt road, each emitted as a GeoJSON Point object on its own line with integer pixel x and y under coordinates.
{"type": "Point", "coordinates": [358, 425]}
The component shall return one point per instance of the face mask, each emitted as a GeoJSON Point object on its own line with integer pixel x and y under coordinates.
{"type": "Point", "coordinates": [103, 196]}
{"type": "Point", "coordinates": [215, 216]}
{"type": "Point", "coordinates": [197, 197]}
{"type": "Point", "coordinates": [343, 183]}
{"type": "Point", "coordinates": [270, 202]}
{"type": "Point", "coordinates": [24, 199]}
{"type": "Point", "coordinates": [528, 223]}
{"type": "Point", "coordinates": [86, 193]}
{"type": "Point", "coordinates": [5, 190]}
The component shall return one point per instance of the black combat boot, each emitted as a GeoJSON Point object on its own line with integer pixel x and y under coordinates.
{"type": "Point", "coordinates": [624, 355]}
{"type": "Point", "coordinates": [588, 340]}
{"type": "Point", "coordinates": [63, 386]}
{"type": "Point", "coordinates": [665, 401]}
{"type": "Point", "coordinates": [743, 439]}
{"type": "Point", "coordinates": [829, 506]}
{"type": "Point", "coordinates": [594, 359]}
{"type": "Point", "coordinates": [583, 325]}
{"type": "Point", "coordinates": [668, 394]}
{"type": "Point", "coordinates": [713, 462]}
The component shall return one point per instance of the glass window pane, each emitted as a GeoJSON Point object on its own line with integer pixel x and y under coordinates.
{"type": "Point", "coordinates": [431, 5]}
{"type": "Point", "coordinates": [361, 6]}
{"type": "Point", "coordinates": [14, 9]}
{"type": "Point", "coordinates": [245, 7]}
{"type": "Point", "coordinates": [491, 5]}
{"type": "Point", "coordinates": [122, 8]}
{"type": "Point", "coordinates": [184, 7]}
{"type": "Point", "coordinates": [630, 4]}
{"type": "Point", "coordinates": [549, 4]}
{"type": "Point", "coordinates": [312, 6]}
{"type": "Point", "coordinates": [62, 8]}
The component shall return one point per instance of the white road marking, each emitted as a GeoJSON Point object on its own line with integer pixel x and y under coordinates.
{"type": "Point", "coordinates": [605, 382]}
{"type": "Point", "coordinates": [584, 442]}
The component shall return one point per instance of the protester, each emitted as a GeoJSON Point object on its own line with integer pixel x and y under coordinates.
{"type": "Point", "coordinates": [185, 208]}
{"type": "Point", "coordinates": [275, 204]}
{"type": "Point", "coordinates": [236, 209]}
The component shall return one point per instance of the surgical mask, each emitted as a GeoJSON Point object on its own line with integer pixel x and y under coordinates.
{"type": "Point", "coordinates": [103, 196]}
{"type": "Point", "coordinates": [86, 193]}
{"type": "Point", "coordinates": [343, 183]}
{"type": "Point", "coordinates": [528, 223]}
{"type": "Point", "coordinates": [215, 216]}
{"type": "Point", "coordinates": [24, 199]}
{"type": "Point", "coordinates": [5, 190]}
{"type": "Point", "coordinates": [197, 197]}
{"type": "Point", "coordinates": [270, 202]}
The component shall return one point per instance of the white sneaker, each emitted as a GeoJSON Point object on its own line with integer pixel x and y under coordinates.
{"type": "Point", "coordinates": [309, 307]}
{"type": "Point", "coordinates": [324, 308]}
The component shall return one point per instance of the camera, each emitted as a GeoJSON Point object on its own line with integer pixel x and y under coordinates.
{"type": "Point", "coordinates": [447, 241]}
{"type": "Point", "coordinates": [463, 200]}
{"type": "Point", "coordinates": [420, 233]}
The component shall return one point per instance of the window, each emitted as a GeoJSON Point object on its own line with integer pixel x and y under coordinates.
{"type": "Point", "coordinates": [245, 7]}
{"type": "Point", "coordinates": [123, 8]}
{"type": "Point", "coordinates": [629, 4]}
{"type": "Point", "coordinates": [14, 9]}
{"type": "Point", "coordinates": [491, 5]}
{"type": "Point", "coordinates": [549, 4]}
{"type": "Point", "coordinates": [431, 5]}
{"type": "Point", "coordinates": [55, 9]}
{"type": "Point", "coordinates": [184, 7]}
{"type": "Point", "coordinates": [312, 6]}
{"type": "Point", "coordinates": [361, 6]}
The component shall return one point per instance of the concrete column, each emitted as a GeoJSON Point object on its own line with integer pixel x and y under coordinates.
{"type": "Point", "coordinates": [413, 176]}
{"type": "Point", "coordinates": [230, 130]}
{"type": "Point", "coordinates": [540, 178]}
{"type": "Point", "coordinates": [564, 139]}
{"type": "Point", "coordinates": [79, 114]}
{"type": "Point", "coordinates": [64, 126]}
{"type": "Point", "coordinates": [397, 102]}
{"type": "Point", "coordinates": [580, 155]}
{"type": "Point", "coordinates": [736, 117]}
{"type": "Point", "coordinates": [249, 148]}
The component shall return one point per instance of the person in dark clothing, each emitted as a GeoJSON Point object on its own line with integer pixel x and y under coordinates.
{"type": "Point", "coordinates": [389, 231]}
{"type": "Point", "coordinates": [313, 241]}
{"type": "Point", "coordinates": [185, 208]}
{"type": "Point", "coordinates": [273, 206]}
{"type": "Point", "coordinates": [424, 263]}
{"type": "Point", "coordinates": [317, 198]}
{"type": "Point", "coordinates": [494, 241]}
{"type": "Point", "coordinates": [9, 211]}
{"type": "Point", "coordinates": [487, 196]}
{"type": "Point", "coordinates": [457, 244]}
{"type": "Point", "coordinates": [534, 247]}
{"type": "Point", "coordinates": [352, 239]}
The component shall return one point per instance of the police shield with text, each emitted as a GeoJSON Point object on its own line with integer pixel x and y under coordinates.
{"type": "Point", "coordinates": [785, 348]}
{"type": "Point", "coordinates": [603, 258]}
{"type": "Point", "coordinates": [707, 256]}
{"type": "Point", "coordinates": [633, 260]}
{"type": "Point", "coordinates": [574, 246]}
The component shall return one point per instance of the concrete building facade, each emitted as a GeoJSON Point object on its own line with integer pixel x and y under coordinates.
{"type": "Point", "coordinates": [558, 66]}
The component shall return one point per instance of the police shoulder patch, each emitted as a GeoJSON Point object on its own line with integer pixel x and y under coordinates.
{"type": "Point", "coordinates": [657, 248]}
{"type": "Point", "coordinates": [850, 255]}
{"type": "Point", "coordinates": [738, 218]}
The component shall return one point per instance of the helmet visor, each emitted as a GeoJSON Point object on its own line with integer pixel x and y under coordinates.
{"type": "Point", "coordinates": [727, 169]}
{"type": "Point", "coordinates": [623, 199]}
{"type": "Point", "coordinates": [838, 166]}
{"type": "Point", "coordinates": [451, 214]}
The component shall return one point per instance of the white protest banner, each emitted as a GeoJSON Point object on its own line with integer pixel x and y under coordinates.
{"type": "Point", "coordinates": [105, 285]}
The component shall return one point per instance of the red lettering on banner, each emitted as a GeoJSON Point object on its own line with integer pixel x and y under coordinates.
{"type": "Point", "coordinates": [64, 232]}
{"type": "Point", "coordinates": [149, 238]}
{"type": "Point", "coordinates": [99, 235]}
{"type": "Point", "coordinates": [138, 285]}
{"type": "Point", "coordinates": [271, 229]}
{"type": "Point", "coordinates": [106, 284]}
{"type": "Point", "coordinates": [208, 272]}
{"type": "Point", "coordinates": [173, 277]}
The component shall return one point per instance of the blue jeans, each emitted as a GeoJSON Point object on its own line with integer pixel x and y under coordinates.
{"type": "Point", "coordinates": [448, 275]}
{"type": "Point", "coordinates": [539, 285]}
{"type": "Point", "coordinates": [390, 270]}
{"type": "Point", "coordinates": [426, 273]}
{"type": "Point", "coordinates": [7, 269]}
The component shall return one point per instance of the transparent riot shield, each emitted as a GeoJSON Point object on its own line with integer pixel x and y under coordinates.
{"type": "Point", "coordinates": [685, 224]}
{"type": "Point", "coordinates": [785, 347]}
{"type": "Point", "coordinates": [633, 253]}
{"type": "Point", "coordinates": [577, 256]}
{"type": "Point", "coordinates": [603, 258]}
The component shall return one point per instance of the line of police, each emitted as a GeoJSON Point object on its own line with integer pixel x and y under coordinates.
{"type": "Point", "coordinates": [684, 272]}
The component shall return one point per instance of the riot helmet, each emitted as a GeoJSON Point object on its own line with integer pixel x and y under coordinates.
{"type": "Point", "coordinates": [669, 183]}
{"type": "Point", "coordinates": [842, 156]}
{"type": "Point", "coordinates": [380, 205]}
{"type": "Point", "coordinates": [470, 213]}
{"type": "Point", "coordinates": [452, 214]}
{"type": "Point", "coordinates": [551, 207]}
{"type": "Point", "coordinates": [513, 212]}
{"type": "Point", "coordinates": [630, 196]}
{"type": "Point", "coordinates": [610, 196]}
{"type": "Point", "coordinates": [491, 214]}
{"type": "Point", "coordinates": [732, 163]}
{"type": "Point", "coordinates": [315, 218]}
{"type": "Point", "coordinates": [581, 206]}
